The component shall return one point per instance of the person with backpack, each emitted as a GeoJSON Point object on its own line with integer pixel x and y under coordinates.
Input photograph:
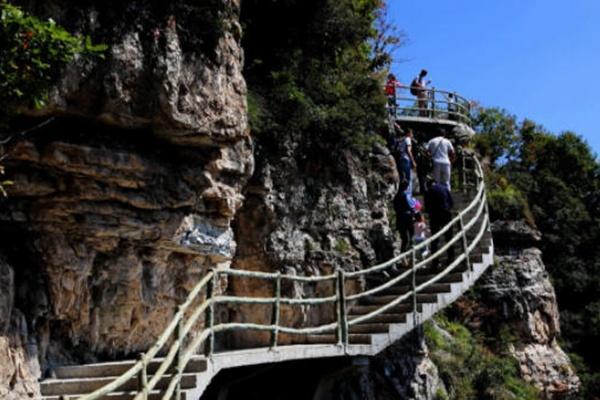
{"type": "Point", "coordinates": [418, 88]}
{"type": "Point", "coordinates": [423, 165]}
{"type": "Point", "coordinates": [442, 153]}
{"type": "Point", "coordinates": [403, 155]}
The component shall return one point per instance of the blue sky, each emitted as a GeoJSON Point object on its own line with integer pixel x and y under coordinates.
{"type": "Point", "coordinates": [537, 59]}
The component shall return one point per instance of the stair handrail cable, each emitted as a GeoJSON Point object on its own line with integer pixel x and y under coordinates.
{"type": "Point", "coordinates": [189, 313]}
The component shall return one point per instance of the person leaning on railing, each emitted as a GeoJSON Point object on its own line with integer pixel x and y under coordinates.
{"type": "Point", "coordinates": [452, 106]}
{"type": "Point", "coordinates": [390, 91]}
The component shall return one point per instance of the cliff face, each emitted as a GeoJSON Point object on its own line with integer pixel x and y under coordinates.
{"type": "Point", "coordinates": [519, 291]}
{"type": "Point", "coordinates": [126, 198]}
{"type": "Point", "coordinates": [308, 217]}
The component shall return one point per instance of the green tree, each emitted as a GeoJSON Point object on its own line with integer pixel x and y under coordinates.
{"type": "Point", "coordinates": [558, 176]}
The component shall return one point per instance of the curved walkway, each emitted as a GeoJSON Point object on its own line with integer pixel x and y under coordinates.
{"type": "Point", "coordinates": [374, 307]}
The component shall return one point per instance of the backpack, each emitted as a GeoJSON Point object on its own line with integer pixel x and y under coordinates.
{"type": "Point", "coordinates": [415, 87]}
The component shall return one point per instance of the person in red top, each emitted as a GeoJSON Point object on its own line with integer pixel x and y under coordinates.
{"type": "Point", "coordinates": [390, 91]}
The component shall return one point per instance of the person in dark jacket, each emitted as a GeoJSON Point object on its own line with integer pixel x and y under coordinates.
{"type": "Point", "coordinates": [404, 215]}
{"type": "Point", "coordinates": [439, 204]}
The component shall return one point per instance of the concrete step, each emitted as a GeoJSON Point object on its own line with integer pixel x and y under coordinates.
{"type": "Point", "coordinates": [116, 368]}
{"type": "Point", "coordinates": [432, 289]}
{"type": "Point", "coordinates": [450, 278]}
{"type": "Point", "coordinates": [383, 318]}
{"type": "Point", "coordinates": [154, 395]}
{"type": "Point", "coordinates": [381, 300]}
{"type": "Point", "coordinates": [55, 387]}
{"type": "Point", "coordinates": [399, 309]}
{"type": "Point", "coordinates": [353, 338]}
{"type": "Point", "coordinates": [369, 328]}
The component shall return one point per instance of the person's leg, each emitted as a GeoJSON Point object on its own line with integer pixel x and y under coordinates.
{"type": "Point", "coordinates": [406, 167]}
{"type": "Point", "coordinates": [405, 245]}
{"type": "Point", "coordinates": [436, 226]}
{"type": "Point", "coordinates": [448, 237]}
{"type": "Point", "coordinates": [445, 175]}
{"type": "Point", "coordinates": [422, 104]}
{"type": "Point", "coordinates": [437, 172]}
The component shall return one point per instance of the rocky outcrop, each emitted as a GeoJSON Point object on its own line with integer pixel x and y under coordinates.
{"type": "Point", "coordinates": [126, 198]}
{"type": "Point", "coordinates": [310, 217]}
{"type": "Point", "coordinates": [519, 289]}
{"type": "Point", "coordinates": [19, 368]}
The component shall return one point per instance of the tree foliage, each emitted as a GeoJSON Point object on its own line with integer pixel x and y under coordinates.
{"type": "Point", "coordinates": [556, 179]}
{"type": "Point", "coordinates": [33, 53]}
{"type": "Point", "coordinates": [312, 71]}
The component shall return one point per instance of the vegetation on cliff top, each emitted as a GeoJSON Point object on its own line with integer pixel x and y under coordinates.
{"type": "Point", "coordinates": [553, 181]}
{"type": "Point", "coordinates": [313, 69]}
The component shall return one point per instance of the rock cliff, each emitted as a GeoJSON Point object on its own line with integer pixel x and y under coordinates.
{"type": "Point", "coordinates": [309, 217]}
{"type": "Point", "coordinates": [519, 290]}
{"type": "Point", "coordinates": [127, 196]}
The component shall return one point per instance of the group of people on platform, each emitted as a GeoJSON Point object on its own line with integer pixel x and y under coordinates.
{"type": "Point", "coordinates": [432, 163]}
{"type": "Point", "coordinates": [424, 95]}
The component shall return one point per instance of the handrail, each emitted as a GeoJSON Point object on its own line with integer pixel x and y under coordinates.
{"type": "Point", "coordinates": [429, 105]}
{"type": "Point", "coordinates": [202, 300]}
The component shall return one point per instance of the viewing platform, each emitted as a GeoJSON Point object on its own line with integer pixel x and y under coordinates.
{"type": "Point", "coordinates": [433, 109]}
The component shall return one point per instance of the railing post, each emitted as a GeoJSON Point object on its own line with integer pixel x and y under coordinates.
{"type": "Point", "coordinates": [179, 356]}
{"type": "Point", "coordinates": [414, 285]}
{"type": "Point", "coordinates": [465, 243]}
{"type": "Point", "coordinates": [209, 319]}
{"type": "Point", "coordinates": [457, 116]}
{"type": "Point", "coordinates": [342, 316]}
{"type": "Point", "coordinates": [143, 377]}
{"type": "Point", "coordinates": [276, 310]}
{"type": "Point", "coordinates": [432, 102]}
{"type": "Point", "coordinates": [464, 171]}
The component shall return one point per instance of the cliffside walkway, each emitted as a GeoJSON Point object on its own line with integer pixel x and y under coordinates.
{"type": "Point", "coordinates": [369, 309]}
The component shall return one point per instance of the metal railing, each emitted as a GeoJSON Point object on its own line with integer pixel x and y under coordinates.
{"type": "Point", "coordinates": [431, 103]}
{"type": "Point", "coordinates": [470, 225]}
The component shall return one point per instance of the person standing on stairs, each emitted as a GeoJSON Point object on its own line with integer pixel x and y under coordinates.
{"type": "Point", "coordinates": [403, 155]}
{"type": "Point", "coordinates": [404, 206]}
{"type": "Point", "coordinates": [442, 153]}
{"type": "Point", "coordinates": [439, 204]}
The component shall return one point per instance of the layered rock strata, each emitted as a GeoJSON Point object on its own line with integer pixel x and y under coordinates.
{"type": "Point", "coordinates": [125, 199]}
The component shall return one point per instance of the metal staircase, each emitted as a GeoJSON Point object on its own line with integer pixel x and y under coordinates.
{"type": "Point", "coordinates": [370, 309]}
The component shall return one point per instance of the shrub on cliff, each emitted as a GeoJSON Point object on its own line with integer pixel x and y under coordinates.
{"type": "Point", "coordinates": [32, 54]}
{"type": "Point", "coordinates": [469, 369]}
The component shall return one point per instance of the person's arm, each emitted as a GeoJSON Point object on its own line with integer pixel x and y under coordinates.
{"type": "Point", "coordinates": [410, 154]}
{"type": "Point", "coordinates": [451, 152]}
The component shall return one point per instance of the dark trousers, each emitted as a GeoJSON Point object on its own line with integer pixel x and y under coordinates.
{"type": "Point", "coordinates": [404, 225]}
{"type": "Point", "coordinates": [438, 220]}
{"type": "Point", "coordinates": [406, 173]}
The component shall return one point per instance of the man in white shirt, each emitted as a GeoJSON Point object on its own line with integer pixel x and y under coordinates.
{"type": "Point", "coordinates": [442, 152]}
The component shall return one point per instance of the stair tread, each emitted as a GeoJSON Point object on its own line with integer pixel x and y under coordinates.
{"type": "Point", "coordinates": [88, 385]}
{"type": "Point", "coordinates": [116, 368]}
{"type": "Point", "coordinates": [128, 395]}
